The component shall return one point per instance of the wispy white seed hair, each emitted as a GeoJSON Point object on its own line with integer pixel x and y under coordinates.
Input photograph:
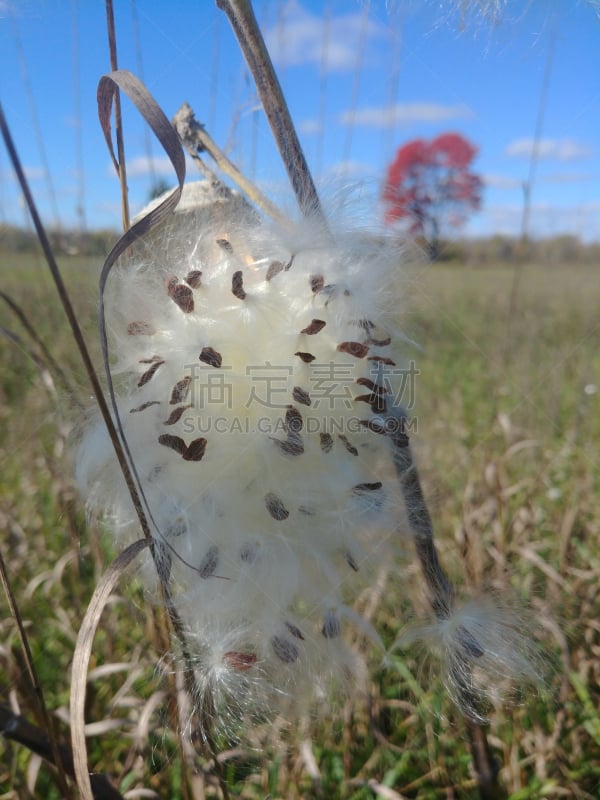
{"type": "Point", "coordinates": [252, 368]}
{"type": "Point", "coordinates": [486, 651]}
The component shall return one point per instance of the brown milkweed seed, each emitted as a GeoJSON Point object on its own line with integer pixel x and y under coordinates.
{"type": "Point", "coordinates": [300, 396]}
{"type": "Point", "coordinates": [349, 447]}
{"type": "Point", "coordinates": [195, 450]}
{"type": "Point", "coordinates": [193, 278]}
{"type": "Point", "coordinates": [180, 391]}
{"type": "Point", "coordinates": [374, 387]}
{"type": "Point", "coordinates": [211, 357]}
{"type": "Point", "coordinates": [306, 357]}
{"type": "Point", "coordinates": [326, 442]}
{"type": "Point", "coordinates": [382, 360]}
{"type": "Point", "coordinates": [237, 285]}
{"type": "Point", "coordinates": [315, 326]}
{"type": "Point", "coordinates": [285, 650]}
{"type": "Point", "coordinates": [175, 415]}
{"type": "Point", "coordinates": [331, 625]}
{"type": "Point", "coordinates": [239, 661]}
{"type": "Point", "coordinates": [225, 244]}
{"type": "Point", "coordinates": [174, 442]}
{"type": "Point", "coordinates": [316, 283]}
{"type": "Point", "coordinates": [292, 446]}
{"type": "Point", "coordinates": [144, 406]}
{"type": "Point", "coordinates": [469, 643]}
{"type": "Point", "coordinates": [275, 507]}
{"type": "Point", "coordinates": [149, 374]}
{"type": "Point", "coordinates": [293, 420]}
{"type": "Point", "coordinates": [356, 349]}
{"type": "Point", "coordinates": [360, 488]}
{"type": "Point", "coordinates": [351, 562]}
{"type": "Point", "coordinates": [294, 630]}
{"type": "Point", "coordinates": [182, 296]}
{"type": "Point", "coordinates": [208, 565]}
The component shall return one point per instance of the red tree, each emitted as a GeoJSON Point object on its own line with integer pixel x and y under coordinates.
{"type": "Point", "coordinates": [430, 184]}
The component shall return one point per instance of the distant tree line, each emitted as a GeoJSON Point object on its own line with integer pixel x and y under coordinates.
{"type": "Point", "coordinates": [65, 242]}
{"type": "Point", "coordinates": [489, 250]}
{"type": "Point", "coordinates": [486, 251]}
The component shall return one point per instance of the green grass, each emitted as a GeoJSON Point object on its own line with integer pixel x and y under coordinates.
{"type": "Point", "coordinates": [507, 445]}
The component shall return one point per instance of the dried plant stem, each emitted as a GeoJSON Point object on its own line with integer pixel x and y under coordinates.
{"type": "Point", "coordinates": [196, 139]}
{"type": "Point", "coordinates": [73, 321]}
{"type": "Point", "coordinates": [81, 660]}
{"type": "Point", "coordinates": [36, 739]}
{"type": "Point", "coordinates": [54, 748]}
{"type": "Point", "coordinates": [245, 27]}
{"type": "Point", "coordinates": [419, 519]}
{"type": "Point", "coordinates": [485, 765]}
{"type": "Point", "coordinates": [112, 46]}
{"type": "Point", "coordinates": [442, 598]}
{"type": "Point", "coordinates": [51, 362]}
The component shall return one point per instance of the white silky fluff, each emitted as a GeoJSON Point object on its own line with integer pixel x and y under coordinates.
{"type": "Point", "coordinates": [486, 650]}
{"type": "Point", "coordinates": [272, 503]}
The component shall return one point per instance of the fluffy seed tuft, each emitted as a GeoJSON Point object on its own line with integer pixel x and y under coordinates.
{"type": "Point", "coordinates": [273, 498]}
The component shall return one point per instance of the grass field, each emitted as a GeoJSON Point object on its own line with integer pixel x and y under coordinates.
{"type": "Point", "coordinates": [508, 418]}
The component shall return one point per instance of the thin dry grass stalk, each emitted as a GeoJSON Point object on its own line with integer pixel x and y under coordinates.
{"type": "Point", "coordinates": [36, 740]}
{"type": "Point", "coordinates": [81, 660]}
{"type": "Point", "coordinates": [50, 362]}
{"type": "Point", "coordinates": [120, 162]}
{"type": "Point", "coordinates": [442, 599]}
{"type": "Point", "coordinates": [52, 741]}
{"type": "Point", "coordinates": [245, 27]}
{"type": "Point", "coordinates": [65, 300]}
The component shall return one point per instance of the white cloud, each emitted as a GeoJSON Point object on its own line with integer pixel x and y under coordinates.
{"type": "Point", "coordinates": [300, 38]}
{"type": "Point", "coordinates": [34, 173]}
{"type": "Point", "coordinates": [310, 127]}
{"type": "Point", "coordinates": [31, 173]}
{"type": "Point", "coordinates": [142, 165]}
{"type": "Point", "coordinates": [556, 149]}
{"type": "Point", "coordinates": [546, 219]}
{"type": "Point", "coordinates": [404, 114]}
{"type": "Point", "coordinates": [349, 170]}
{"type": "Point", "coordinates": [565, 177]}
{"type": "Point", "coordinates": [502, 181]}
{"type": "Point", "coordinates": [510, 182]}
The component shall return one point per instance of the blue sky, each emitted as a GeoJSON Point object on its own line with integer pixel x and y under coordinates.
{"type": "Point", "coordinates": [361, 78]}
